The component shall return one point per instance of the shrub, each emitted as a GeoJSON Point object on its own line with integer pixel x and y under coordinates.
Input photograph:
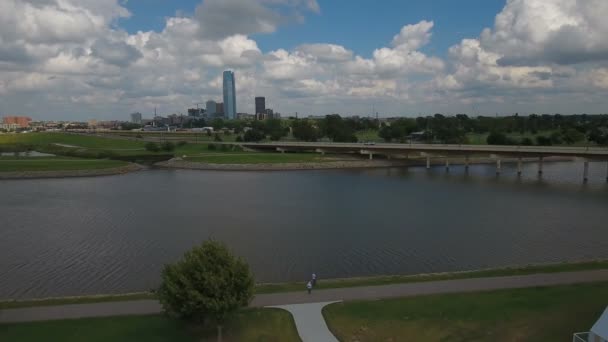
{"type": "Point", "coordinates": [182, 143]}
{"type": "Point", "coordinates": [168, 146]}
{"type": "Point", "coordinates": [152, 147]}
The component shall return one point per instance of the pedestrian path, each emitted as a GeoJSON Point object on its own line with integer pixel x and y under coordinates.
{"type": "Point", "coordinates": [309, 321]}
{"type": "Point", "coordinates": [141, 307]}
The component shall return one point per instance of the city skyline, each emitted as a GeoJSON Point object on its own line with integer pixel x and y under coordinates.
{"type": "Point", "coordinates": [475, 57]}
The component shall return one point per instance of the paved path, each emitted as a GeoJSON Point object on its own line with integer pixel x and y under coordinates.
{"type": "Point", "coordinates": [353, 293]}
{"type": "Point", "coordinates": [309, 321]}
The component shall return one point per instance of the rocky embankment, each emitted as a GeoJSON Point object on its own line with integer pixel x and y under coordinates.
{"type": "Point", "coordinates": [70, 173]}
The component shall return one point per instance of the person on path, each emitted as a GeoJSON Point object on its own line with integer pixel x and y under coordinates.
{"type": "Point", "coordinates": [309, 287]}
{"type": "Point", "coordinates": [314, 279]}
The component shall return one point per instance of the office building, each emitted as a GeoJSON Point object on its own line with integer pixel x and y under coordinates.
{"type": "Point", "coordinates": [219, 110]}
{"type": "Point", "coordinates": [136, 118]}
{"type": "Point", "coordinates": [21, 121]}
{"type": "Point", "coordinates": [211, 107]}
{"type": "Point", "coordinates": [260, 105]}
{"type": "Point", "coordinates": [229, 95]}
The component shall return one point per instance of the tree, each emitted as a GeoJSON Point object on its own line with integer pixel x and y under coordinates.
{"type": "Point", "coordinates": [571, 136]}
{"type": "Point", "coordinates": [274, 129]}
{"type": "Point", "coordinates": [542, 140]}
{"type": "Point", "coordinates": [167, 146]}
{"type": "Point", "coordinates": [304, 130]}
{"type": "Point", "coordinates": [496, 138]}
{"type": "Point", "coordinates": [152, 147]}
{"type": "Point", "coordinates": [207, 284]}
{"type": "Point", "coordinates": [253, 135]}
{"type": "Point", "coordinates": [217, 137]}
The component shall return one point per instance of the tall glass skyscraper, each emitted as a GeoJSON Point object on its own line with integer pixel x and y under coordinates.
{"type": "Point", "coordinates": [229, 95]}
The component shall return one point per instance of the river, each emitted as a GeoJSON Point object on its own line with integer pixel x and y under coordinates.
{"type": "Point", "coordinates": [113, 234]}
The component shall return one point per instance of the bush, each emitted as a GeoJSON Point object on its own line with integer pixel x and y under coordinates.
{"type": "Point", "coordinates": [239, 138]}
{"type": "Point", "coordinates": [181, 143]}
{"type": "Point", "coordinates": [211, 147]}
{"type": "Point", "coordinates": [527, 142]}
{"type": "Point", "coordinates": [208, 283]}
{"type": "Point", "coordinates": [225, 147]}
{"type": "Point", "coordinates": [541, 140]}
{"type": "Point", "coordinates": [217, 137]}
{"type": "Point", "coordinates": [496, 138]}
{"type": "Point", "coordinates": [152, 147]}
{"type": "Point", "coordinates": [254, 135]}
{"type": "Point", "coordinates": [168, 146]}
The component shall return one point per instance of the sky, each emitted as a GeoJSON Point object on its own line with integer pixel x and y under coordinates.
{"type": "Point", "coordinates": [104, 59]}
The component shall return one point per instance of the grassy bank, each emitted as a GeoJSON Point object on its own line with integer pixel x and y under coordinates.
{"type": "Point", "coordinates": [535, 314]}
{"type": "Point", "coordinates": [56, 164]}
{"type": "Point", "coordinates": [259, 158]}
{"type": "Point", "coordinates": [247, 325]}
{"type": "Point", "coordinates": [85, 141]}
{"type": "Point", "coordinates": [336, 283]}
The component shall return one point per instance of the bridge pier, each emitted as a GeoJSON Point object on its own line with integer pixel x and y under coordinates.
{"type": "Point", "coordinates": [498, 167]}
{"type": "Point", "coordinates": [428, 162]}
{"type": "Point", "coordinates": [371, 156]}
{"type": "Point", "coordinates": [447, 164]}
{"type": "Point", "coordinates": [586, 172]}
{"type": "Point", "coordinates": [320, 151]}
{"type": "Point", "coordinates": [282, 150]}
{"type": "Point", "coordinates": [466, 163]}
{"type": "Point", "coordinates": [540, 165]}
{"type": "Point", "coordinates": [519, 166]}
{"type": "Point", "coordinates": [606, 171]}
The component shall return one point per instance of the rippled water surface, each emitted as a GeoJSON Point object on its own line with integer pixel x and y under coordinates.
{"type": "Point", "coordinates": [113, 234]}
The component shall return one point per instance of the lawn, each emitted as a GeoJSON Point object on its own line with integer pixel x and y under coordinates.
{"type": "Point", "coordinates": [87, 141]}
{"type": "Point", "coordinates": [260, 158]}
{"type": "Point", "coordinates": [247, 325]}
{"type": "Point", "coordinates": [56, 164]}
{"type": "Point", "coordinates": [534, 314]}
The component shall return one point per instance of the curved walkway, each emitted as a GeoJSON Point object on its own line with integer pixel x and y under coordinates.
{"type": "Point", "coordinates": [310, 322]}
{"type": "Point", "coordinates": [353, 293]}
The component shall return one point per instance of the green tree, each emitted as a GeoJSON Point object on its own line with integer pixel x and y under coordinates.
{"type": "Point", "coordinates": [253, 135]}
{"type": "Point", "coordinates": [167, 146]}
{"type": "Point", "coordinates": [152, 147]}
{"type": "Point", "coordinates": [207, 284]}
{"type": "Point", "coordinates": [304, 130]}
{"type": "Point", "coordinates": [572, 136]}
{"type": "Point", "coordinates": [497, 138]}
{"type": "Point", "coordinates": [217, 137]}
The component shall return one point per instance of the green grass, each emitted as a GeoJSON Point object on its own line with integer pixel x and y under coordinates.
{"type": "Point", "coordinates": [87, 141]}
{"type": "Point", "coordinates": [248, 325]}
{"type": "Point", "coordinates": [259, 158]}
{"type": "Point", "coordinates": [534, 314]}
{"type": "Point", "coordinates": [56, 164]}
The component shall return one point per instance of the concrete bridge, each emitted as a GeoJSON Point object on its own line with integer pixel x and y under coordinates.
{"type": "Point", "coordinates": [446, 151]}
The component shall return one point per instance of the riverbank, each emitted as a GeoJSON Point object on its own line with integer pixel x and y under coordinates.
{"type": "Point", "coordinates": [325, 284]}
{"type": "Point", "coordinates": [339, 163]}
{"type": "Point", "coordinates": [90, 172]}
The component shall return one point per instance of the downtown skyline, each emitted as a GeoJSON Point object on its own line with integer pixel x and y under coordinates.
{"type": "Point", "coordinates": [77, 60]}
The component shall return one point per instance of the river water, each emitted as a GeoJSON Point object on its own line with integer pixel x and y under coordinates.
{"type": "Point", "coordinates": [113, 234]}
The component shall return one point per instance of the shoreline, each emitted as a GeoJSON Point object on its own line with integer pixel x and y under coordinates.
{"type": "Point", "coordinates": [18, 175]}
{"type": "Point", "coordinates": [332, 283]}
{"type": "Point", "coordinates": [180, 164]}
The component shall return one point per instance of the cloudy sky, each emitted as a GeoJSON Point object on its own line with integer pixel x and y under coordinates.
{"type": "Point", "coordinates": [83, 59]}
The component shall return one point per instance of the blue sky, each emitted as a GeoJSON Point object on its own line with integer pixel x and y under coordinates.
{"type": "Point", "coordinates": [362, 26]}
{"type": "Point", "coordinates": [91, 59]}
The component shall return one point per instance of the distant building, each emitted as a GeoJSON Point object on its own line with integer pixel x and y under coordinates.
{"type": "Point", "coordinates": [21, 121]}
{"type": "Point", "coordinates": [260, 105]}
{"type": "Point", "coordinates": [136, 118]}
{"type": "Point", "coordinates": [245, 116]}
{"type": "Point", "coordinates": [219, 109]}
{"type": "Point", "coordinates": [229, 95]}
{"type": "Point", "coordinates": [269, 113]}
{"type": "Point", "coordinates": [211, 107]}
{"type": "Point", "coordinates": [196, 112]}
